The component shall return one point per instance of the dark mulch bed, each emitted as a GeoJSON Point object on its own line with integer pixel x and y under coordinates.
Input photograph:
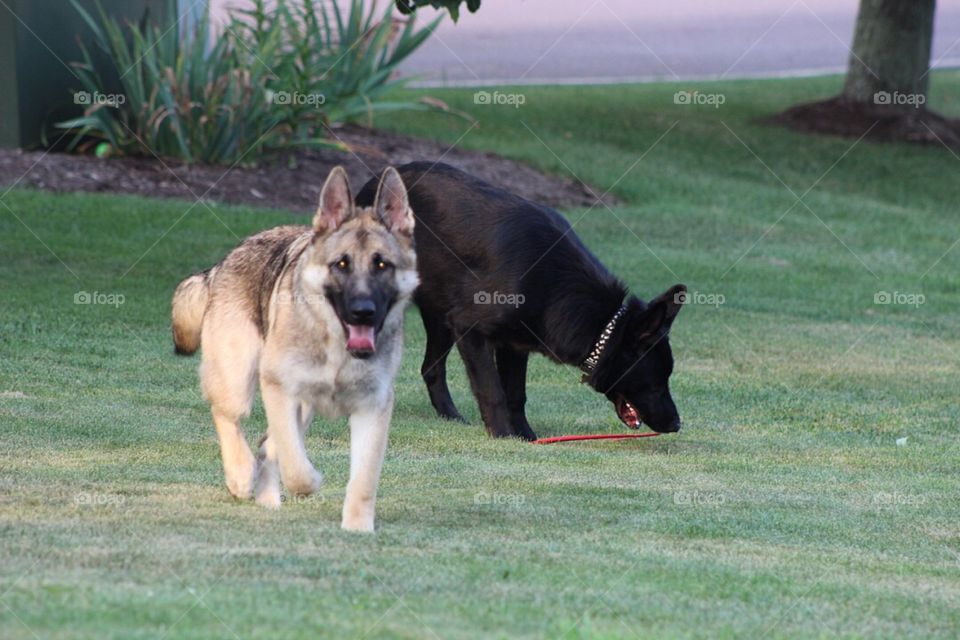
{"type": "Point", "coordinates": [286, 182]}
{"type": "Point", "coordinates": [842, 117]}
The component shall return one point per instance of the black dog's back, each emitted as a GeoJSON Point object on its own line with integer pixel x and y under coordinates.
{"type": "Point", "coordinates": [477, 244]}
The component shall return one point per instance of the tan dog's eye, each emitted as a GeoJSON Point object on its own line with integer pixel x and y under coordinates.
{"type": "Point", "coordinates": [380, 264]}
{"type": "Point", "coordinates": [343, 264]}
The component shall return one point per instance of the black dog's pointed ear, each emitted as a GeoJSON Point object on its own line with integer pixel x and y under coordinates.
{"type": "Point", "coordinates": [672, 299]}
{"type": "Point", "coordinates": [336, 203]}
{"type": "Point", "coordinates": [660, 312]}
{"type": "Point", "coordinates": [392, 203]}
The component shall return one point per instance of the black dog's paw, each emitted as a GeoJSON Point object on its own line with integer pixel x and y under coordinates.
{"type": "Point", "coordinates": [528, 435]}
{"type": "Point", "coordinates": [453, 416]}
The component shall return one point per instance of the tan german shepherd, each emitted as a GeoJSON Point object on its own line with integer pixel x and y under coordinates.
{"type": "Point", "coordinates": [316, 314]}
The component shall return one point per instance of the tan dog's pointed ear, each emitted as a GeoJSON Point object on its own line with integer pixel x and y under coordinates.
{"type": "Point", "coordinates": [336, 202]}
{"type": "Point", "coordinates": [392, 204]}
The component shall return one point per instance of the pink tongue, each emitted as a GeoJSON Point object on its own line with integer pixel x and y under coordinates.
{"type": "Point", "coordinates": [361, 337]}
{"type": "Point", "coordinates": [629, 415]}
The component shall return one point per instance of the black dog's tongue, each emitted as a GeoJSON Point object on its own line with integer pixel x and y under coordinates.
{"type": "Point", "coordinates": [361, 337]}
{"type": "Point", "coordinates": [628, 413]}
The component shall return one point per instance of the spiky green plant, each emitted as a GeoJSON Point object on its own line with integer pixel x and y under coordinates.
{"type": "Point", "coordinates": [274, 78]}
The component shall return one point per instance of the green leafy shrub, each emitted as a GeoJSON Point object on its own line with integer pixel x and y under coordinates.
{"type": "Point", "coordinates": [271, 80]}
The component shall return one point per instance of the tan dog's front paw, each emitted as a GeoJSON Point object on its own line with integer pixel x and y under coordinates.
{"type": "Point", "coordinates": [240, 481]}
{"type": "Point", "coordinates": [358, 514]}
{"type": "Point", "coordinates": [304, 483]}
{"type": "Point", "coordinates": [360, 524]}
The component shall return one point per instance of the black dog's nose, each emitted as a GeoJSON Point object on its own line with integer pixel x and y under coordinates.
{"type": "Point", "coordinates": [362, 310]}
{"type": "Point", "coordinates": [667, 427]}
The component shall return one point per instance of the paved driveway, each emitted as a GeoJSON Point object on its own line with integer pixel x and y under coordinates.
{"type": "Point", "coordinates": [629, 40]}
{"type": "Point", "coordinates": [610, 40]}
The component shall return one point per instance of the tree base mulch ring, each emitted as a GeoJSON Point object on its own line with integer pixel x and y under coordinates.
{"type": "Point", "coordinates": [287, 181]}
{"type": "Point", "coordinates": [842, 117]}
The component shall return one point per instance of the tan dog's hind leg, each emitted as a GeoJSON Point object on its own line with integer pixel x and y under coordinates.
{"type": "Point", "coordinates": [368, 443]}
{"type": "Point", "coordinates": [268, 474]}
{"type": "Point", "coordinates": [267, 492]}
{"type": "Point", "coordinates": [305, 417]}
{"type": "Point", "coordinates": [231, 350]}
{"type": "Point", "coordinates": [283, 433]}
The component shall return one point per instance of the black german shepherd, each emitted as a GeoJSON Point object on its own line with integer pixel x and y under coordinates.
{"type": "Point", "coordinates": [501, 277]}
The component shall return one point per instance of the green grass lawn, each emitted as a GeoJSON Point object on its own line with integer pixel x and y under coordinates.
{"type": "Point", "coordinates": [785, 508]}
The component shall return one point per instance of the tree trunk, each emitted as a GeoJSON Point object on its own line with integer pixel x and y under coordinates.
{"type": "Point", "coordinates": [890, 59]}
{"type": "Point", "coordinates": [884, 96]}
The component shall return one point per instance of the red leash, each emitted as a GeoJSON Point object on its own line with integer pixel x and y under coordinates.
{"type": "Point", "coordinates": [604, 436]}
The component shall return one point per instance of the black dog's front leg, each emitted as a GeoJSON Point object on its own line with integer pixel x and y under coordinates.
{"type": "Point", "coordinates": [478, 358]}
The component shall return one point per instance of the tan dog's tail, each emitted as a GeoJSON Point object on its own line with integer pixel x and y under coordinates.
{"type": "Point", "coordinates": [189, 306]}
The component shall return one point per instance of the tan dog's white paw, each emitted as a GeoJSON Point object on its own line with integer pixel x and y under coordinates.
{"type": "Point", "coordinates": [304, 483]}
{"type": "Point", "coordinates": [358, 524]}
{"type": "Point", "coordinates": [358, 514]}
{"type": "Point", "coordinates": [268, 487]}
{"type": "Point", "coordinates": [269, 500]}
{"type": "Point", "coordinates": [240, 482]}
